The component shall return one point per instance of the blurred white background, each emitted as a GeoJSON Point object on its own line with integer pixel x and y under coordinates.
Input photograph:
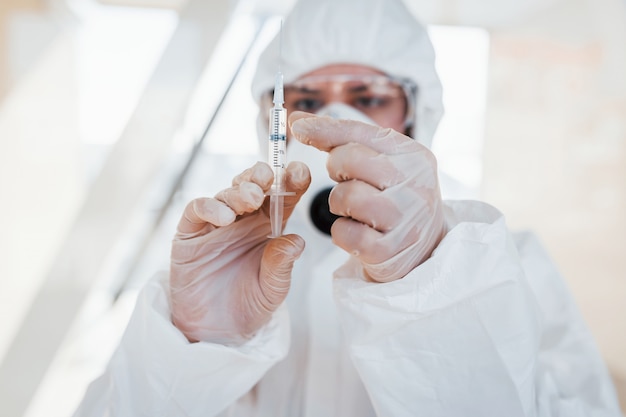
{"type": "Point", "coordinates": [114, 113]}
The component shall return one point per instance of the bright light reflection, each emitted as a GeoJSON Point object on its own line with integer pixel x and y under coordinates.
{"type": "Point", "coordinates": [462, 63]}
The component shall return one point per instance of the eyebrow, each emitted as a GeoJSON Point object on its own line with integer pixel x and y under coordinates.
{"type": "Point", "coordinates": [304, 90]}
{"type": "Point", "coordinates": [359, 88]}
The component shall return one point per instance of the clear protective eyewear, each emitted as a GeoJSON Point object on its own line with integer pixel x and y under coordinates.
{"type": "Point", "coordinates": [386, 100]}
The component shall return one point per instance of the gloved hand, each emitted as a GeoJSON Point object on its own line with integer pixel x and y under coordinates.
{"type": "Point", "coordinates": [387, 193]}
{"type": "Point", "coordinates": [226, 276]}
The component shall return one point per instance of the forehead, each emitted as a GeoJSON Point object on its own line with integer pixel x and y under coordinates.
{"type": "Point", "coordinates": [343, 69]}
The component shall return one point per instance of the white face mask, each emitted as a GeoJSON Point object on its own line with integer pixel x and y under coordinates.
{"type": "Point", "coordinates": [316, 161]}
{"type": "Point", "coordinates": [338, 110]}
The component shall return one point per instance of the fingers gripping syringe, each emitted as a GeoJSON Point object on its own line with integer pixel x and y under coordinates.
{"type": "Point", "coordinates": [277, 157]}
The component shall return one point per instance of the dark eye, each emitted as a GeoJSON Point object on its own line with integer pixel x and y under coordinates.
{"type": "Point", "coordinates": [310, 105]}
{"type": "Point", "coordinates": [368, 102]}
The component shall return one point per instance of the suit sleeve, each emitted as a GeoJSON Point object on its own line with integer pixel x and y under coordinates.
{"type": "Point", "coordinates": [155, 371]}
{"type": "Point", "coordinates": [465, 334]}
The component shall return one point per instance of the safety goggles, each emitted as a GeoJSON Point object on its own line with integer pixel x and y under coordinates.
{"type": "Point", "coordinates": [380, 97]}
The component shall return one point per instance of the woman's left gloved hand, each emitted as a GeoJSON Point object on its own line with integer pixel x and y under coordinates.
{"type": "Point", "coordinates": [387, 193]}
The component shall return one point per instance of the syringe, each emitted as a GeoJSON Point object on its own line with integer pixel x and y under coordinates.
{"type": "Point", "coordinates": [277, 157]}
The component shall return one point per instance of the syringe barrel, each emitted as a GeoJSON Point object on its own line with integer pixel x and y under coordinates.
{"type": "Point", "coordinates": [277, 155]}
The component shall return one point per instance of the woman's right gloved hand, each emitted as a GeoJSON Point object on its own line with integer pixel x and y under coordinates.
{"type": "Point", "coordinates": [227, 277]}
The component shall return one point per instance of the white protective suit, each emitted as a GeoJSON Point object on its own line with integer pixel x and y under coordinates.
{"type": "Point", "coordinates": [484, 327]}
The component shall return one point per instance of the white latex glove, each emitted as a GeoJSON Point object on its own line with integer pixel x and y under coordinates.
{"type": "Point", "coordinates": [387, 193]}
{"type": "Point", "coordinates": [227, 277]}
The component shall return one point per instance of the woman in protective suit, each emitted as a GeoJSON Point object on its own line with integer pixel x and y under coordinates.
{"type": "Point", "coordinates": [401, 304]}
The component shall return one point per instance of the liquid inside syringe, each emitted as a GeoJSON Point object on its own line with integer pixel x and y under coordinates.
{"type": "Point", "coordinates": [277, 157]}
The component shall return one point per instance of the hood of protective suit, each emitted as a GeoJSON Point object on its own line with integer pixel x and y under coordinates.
{"type": "Point", "coordinates": [382, 34]}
